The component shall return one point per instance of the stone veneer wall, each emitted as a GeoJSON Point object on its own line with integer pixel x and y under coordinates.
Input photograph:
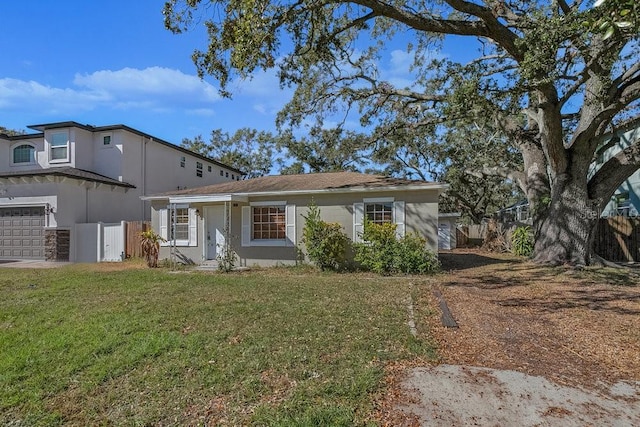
{"type": "Point", "coordinates": [56, 245]}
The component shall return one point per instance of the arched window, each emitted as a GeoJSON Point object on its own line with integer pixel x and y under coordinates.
{"type": "Point", "coordinates": [24, 153]}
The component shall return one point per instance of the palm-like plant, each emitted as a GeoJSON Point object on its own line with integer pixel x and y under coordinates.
{"type": "Point", "coordinates": [150, 241]}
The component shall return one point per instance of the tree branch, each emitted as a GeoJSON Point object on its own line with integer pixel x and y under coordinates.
{"type": "Point", "coordinates": [488, 26]}
{"type": "Point", "coordinates": [515, 176]}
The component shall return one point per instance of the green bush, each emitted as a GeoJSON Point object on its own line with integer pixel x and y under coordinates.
{"type": "Point", "coordinates": [413, 257]}
{"type": "Point", "coordinates": [378, 252]}
{"type": "Point", "coordinates": [522, 241]}
{"type": "Point", "coordinates": [326, 243]}
{"type": "Point", "coordinates": [383, 253]}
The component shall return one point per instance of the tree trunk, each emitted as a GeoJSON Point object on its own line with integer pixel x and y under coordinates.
{"type": "Point", "coordinates": [566, 232]}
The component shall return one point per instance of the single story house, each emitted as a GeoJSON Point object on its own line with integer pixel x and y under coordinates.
{"type": "Point", "coordinates": [262, 219]}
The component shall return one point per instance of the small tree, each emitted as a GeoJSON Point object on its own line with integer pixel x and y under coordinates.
{"type": "Point", "coordinates": [326, 243]}
{"type": "Point", "coordinates": [150, 241]}
{"type": "Point", "coordinates": [226, 256]}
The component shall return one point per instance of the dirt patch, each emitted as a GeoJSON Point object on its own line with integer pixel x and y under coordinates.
{"type": "Point", "coordinates": [576, 330]}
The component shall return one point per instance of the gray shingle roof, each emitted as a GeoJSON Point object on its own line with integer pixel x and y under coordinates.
{"type": "Point", "coordinates": [303, 182]}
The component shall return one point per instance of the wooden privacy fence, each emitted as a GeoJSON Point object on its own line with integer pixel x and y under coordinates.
{"type": "Point", "coordinates": [617, 239]}
{"type": "Point", "coordinates": [470, 235]}
{"type": "Point", "coordinates": [134, 228]}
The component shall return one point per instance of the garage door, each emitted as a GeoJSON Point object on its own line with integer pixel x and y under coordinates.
{"type": "Point", "coordinates": [22, 233]}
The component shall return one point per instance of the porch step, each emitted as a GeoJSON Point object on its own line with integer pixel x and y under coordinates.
{"type": "Point", "coordinates": [208, 265]}
{"type": "Point", "coordinates": [212, 265]}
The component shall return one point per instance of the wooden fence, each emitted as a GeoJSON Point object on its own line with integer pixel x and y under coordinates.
{"type": "Point", "coordinates": [134, 228]}
{"type": "Point", "coordinates": [618, 239]}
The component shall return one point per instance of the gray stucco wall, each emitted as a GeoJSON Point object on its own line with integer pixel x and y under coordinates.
{"type": "Point", "coordinates": [421, 216]}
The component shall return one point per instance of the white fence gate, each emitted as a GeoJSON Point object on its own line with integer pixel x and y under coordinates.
{"type": "Point", "coordinates": [100, 242]}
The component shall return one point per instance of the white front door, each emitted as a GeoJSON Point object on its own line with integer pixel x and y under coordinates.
{"type": "Point", "coordinates": [214, 232]}
{"type": "Point", "coordinates": [444, 235]}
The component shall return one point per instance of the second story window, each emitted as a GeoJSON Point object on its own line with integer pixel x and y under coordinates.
{"type": "Point", "coordinates": [24, 154]}
{"type": "Point", "coordinates": [183, 161]}
{"type": "Point", "coordinates": [59, 147]}
{"type": "Point", "coordinates": [199, 169]}
{"type": "Point", "coordinates": [209, 168]}
{"type": "Point", "coordinates": [221, 172]}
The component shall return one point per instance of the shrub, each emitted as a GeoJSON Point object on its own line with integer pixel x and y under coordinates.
{"type": "Point", "coordinates": [522, 241]}
{"type": "Point", "coordinates": [378, 252]}
{"type": "Point", "coordinates": [383, 253]}
{"type": "Point", "coordinates": [326, 243]}
{"type": "Point", "coordinates": [413, 257]}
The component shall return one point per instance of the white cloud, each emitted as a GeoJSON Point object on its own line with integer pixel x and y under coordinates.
{"type": "Point", "coordinates": [152, 81]}
{"type": "Point", "coordinates": [154, 89]}
{"type": "Point", "coordinates": [204, 112]}
{"type": "Point", "coordinates": [20, 94]}
{"type": "Point", "coordinates": [260, 108]}
{"type": "Point", "coordinates": [262, 92]}
{"type": "Point", "coordinates": [400, 61]}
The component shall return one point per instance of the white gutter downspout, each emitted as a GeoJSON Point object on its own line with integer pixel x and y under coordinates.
{"type": "Point", "coordinates": [143, 183]}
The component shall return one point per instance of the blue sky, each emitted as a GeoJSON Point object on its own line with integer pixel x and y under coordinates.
{"type": "Point", "coordinates": [112, 62]}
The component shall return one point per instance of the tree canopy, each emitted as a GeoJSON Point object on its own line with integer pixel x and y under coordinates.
{"type": "Point", "coordinates": [10, 132]}
{"type": "Point", "coordinates": [546, 77]}
{"type": "Point", "coordinates": [249, 150]}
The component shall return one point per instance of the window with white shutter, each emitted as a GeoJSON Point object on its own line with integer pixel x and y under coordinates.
{"type": "Point", "coordinates": [378, 211]}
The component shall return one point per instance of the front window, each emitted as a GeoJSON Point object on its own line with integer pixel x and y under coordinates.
{"type": "Point", "coordinates": [379, 213]}
{"type": "Point", "coordinates": [180, 224]}
{"type": "Point", "coordinates": [59, 146]}
{"type": "Point", "coordinates": [24, 154]}
{"type": "Point", "coordinates": [269, 223]}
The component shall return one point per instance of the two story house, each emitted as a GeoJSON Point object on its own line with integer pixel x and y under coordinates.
{"type": "Point", "coordinates": [70, 173]}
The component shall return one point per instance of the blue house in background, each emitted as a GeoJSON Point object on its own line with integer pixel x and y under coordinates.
{"type": "Point", "coordinates": [626, 200]}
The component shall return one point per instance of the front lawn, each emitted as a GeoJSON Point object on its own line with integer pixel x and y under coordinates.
{"type": "Point", "coordinates": [125, 345]}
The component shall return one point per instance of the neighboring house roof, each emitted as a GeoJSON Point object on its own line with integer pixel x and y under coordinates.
{"type": "Point", "coordinates": [90, 128]}
{"type": "Point", "coordinates": [66, 172]}
{"type": "Point", "coordinates": [304, 183]}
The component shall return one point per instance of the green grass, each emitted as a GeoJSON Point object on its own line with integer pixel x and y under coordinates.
{"type": "Point", "coordinates": [95, 345]}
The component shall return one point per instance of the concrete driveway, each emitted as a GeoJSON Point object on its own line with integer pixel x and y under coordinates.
{"type": "Point", "coordinates": [31, 263]}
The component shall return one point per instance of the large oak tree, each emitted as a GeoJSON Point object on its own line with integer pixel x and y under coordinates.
{"type": "Point", "coordinates": [547, 76]}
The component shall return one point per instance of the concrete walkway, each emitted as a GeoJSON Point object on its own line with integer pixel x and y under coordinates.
{"type": "Point", "coordinates": [31, 263]}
